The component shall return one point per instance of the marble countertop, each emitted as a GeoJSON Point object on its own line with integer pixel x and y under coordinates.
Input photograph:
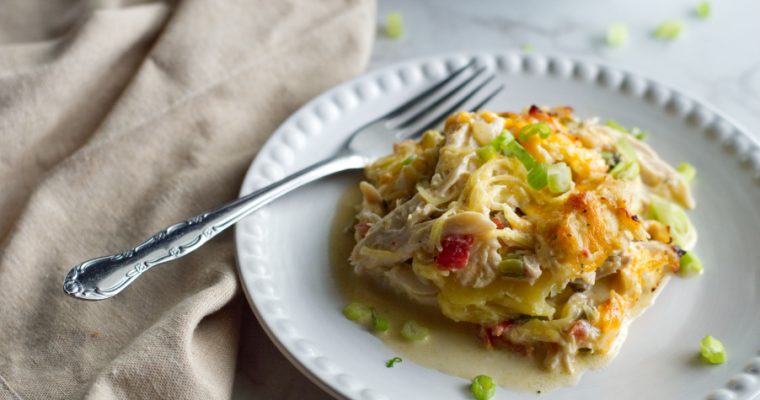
{"type": "Point", "coordinates": [716, 60]}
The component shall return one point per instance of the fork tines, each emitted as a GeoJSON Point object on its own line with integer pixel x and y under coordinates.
{"type": "Point", "coordinates": [467, 89]}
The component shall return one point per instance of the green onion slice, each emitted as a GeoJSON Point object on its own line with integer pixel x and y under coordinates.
{"type": "Point", "coordinates": [482, 387]}
{"type": "Point", "coordinates": [668, 30]}
{"type": "Point", "coordinates": [486, 153]}
{"type": "Point", "coordinates": [540, 128]}
{"type": "Point", "coordinates": [390, 363]}
{"type": "Point", "coordinates": [409, 159]}
{"type": "Point", "coordinates": [703, 10]}
{"type": "Point", "coordinates": [690, 265]}
{"type": "Point", "coordinates": [513, 267]}
{"type": "Point", "coordinates": [626, 170]}
{"type": "Point", "coordinates": [683, 232]}
{"type": "Point", "coordinates": [559, 178]}
{"type": "Point", "coordinates": [357, 312]}
{"type": "Point", "coordinates": [379, 324]}
{"type": "Point", "coordinates": [514, 148]}
{"type": "Point", "coordinates": [626, 150]}
{"type": "Point", "coordinates": [395, 25]}
{"type": "Point", "coordinates": [412, 330]}
{"type": "Point", "coordinates": [617, 34]}
{"type": "Point", "coordinates": [712, 350]}
{"type": "Point", "coordinates": [537, 176]}
{"type": "Point", "coordinates": [500, 142]}
{"type": "Point", "coordinates": [616, 126]}
{"type": "Point", "coordinates": [687, 170]}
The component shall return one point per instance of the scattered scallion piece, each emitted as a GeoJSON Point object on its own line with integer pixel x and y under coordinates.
{"type": "Point", "coordinates": [690, 265]}
{"type": "Point", "coordinates": [379, 324]}
{"type": "Point", "coordinates": [357, 312]}
{"type": "Point", "coordinates": [512, 266]}
{"type": "Point", "coordinates": [687, 170]}
{"type": "Point", "coordinates": [615, 125]}
{"type": "Point", "coordinates": [626, 150]}
{"type": "Point", "coordinates": [486, 153]}
{"type": "Point", "coordinates": [639, 134]}
{"type": "Point", "coordinates": [668, 30]}
{"type": "Point", "coordinates": [394, 25]}
{"type": "Point", "coordinates": [626, 170]}
{"type": "Point", "coordinates": [409, 159]}
{"type": "Point", "coordinates": [635, 132]}
{"type": "Point", "coordinates": [541, 129]}
{"type": "Point", "coordinates": [412, 330]}
{"type": "Point", "coordinates": [559, 178]}
{"type": "Point", "coordinates": [537, 176]}
{"type": "Point", "coordinates": [610, 158]}
{"type": "Point", "coordinates": [482, 387]}
{"type": "Point", "coordinates": [515, 149]}
{"type": "Point", "coordinates": [390, 363]}
{"type": "Point", "coordinates": [712, 350]}
{"type": "Point", "coordinates": [500, 142]}
{"type": "Point", "coordinates": [617, 34]}
{"type": "Point", "coordinates": [703, 10]}
{"type": "Point", "coordinates": [668, 213]}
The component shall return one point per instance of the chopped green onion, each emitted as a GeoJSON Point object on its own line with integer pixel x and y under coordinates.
{"type": "Point", "coordinates": [541, 129]}
{"type": "Point", "coordinates": [626, 170]}
{"type": "Point", "coordinates": [712, 350]}
{"type": "Point", "coordinates": [703, 10]}
{"type": "Point", "coordinates": [482, 387]}
{"type": "Point", "coordinates": [411, 330]}
{"type": "Point", "coordinates": [528, 47]}
{"type": "Point", "coordinates": [512, 267]}
{"type": "Point", "coordinates": [500, 142]}
{"type": "Point", "coordinates": [617, 34]}
{"type": "Point", "coordinates": [559, 178]}
{"type": "Point", "coordinates": [668, 30]}
{"type": "Point", "coordinates": [393, 361]}
{"type": "Point", "coordinates": [687, 170]}
{"type": "Point", "coordinates": [690, 265]}
{"type": "Point", "coordinates": [668, 213]}
{"type": "Point", "coordinates": [409, 159]}
{"type": "Point", "coordinates": [626, 150]}
{"type": "Point", "coordinates": [610, 158]}
{"type": "Point", "coordinates": [379, 324]}
{"type": "Point", "coordinates": [639, 134]}
{"type": "Point", "coordinates": [486, 153]}
{"type": "Point", "coordinates": [537, 176]}
{"type": "Point", "coordinates": [635, 132]}
{"type": "Point", "coordinates": [515, 149]}
{"type": "Point", "coordinates": [395, 25]}
{"type": "Point", "coordinates": [615, 125]}
{"type": "Point", "coordinates": [357, 312]}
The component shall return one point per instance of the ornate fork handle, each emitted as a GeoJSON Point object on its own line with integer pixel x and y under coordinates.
{"type": "Point", "coordinates": [104, 277]}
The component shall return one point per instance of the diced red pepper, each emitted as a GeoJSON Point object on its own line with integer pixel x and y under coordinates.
{"type": "Point", "coordinates": [580, 329]}
{"type": "Point", "coordinates": [535, 111]}
{"type": "Point", "coordinates": [362, 228]}
{"type": "Point", "coordinates": [498, 223]}
{"type": "Point", "coordinates": [455, 252]}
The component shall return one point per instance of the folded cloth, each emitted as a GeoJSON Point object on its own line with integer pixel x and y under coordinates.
{"type": "Point", "coordinates": [118, 118]}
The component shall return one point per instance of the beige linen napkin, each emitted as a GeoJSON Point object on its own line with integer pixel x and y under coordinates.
{"type": "Point", "coordinates": [116, 120]}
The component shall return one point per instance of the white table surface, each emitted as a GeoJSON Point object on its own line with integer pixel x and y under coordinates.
{"type": "Point", "coordinates": [716, 60]}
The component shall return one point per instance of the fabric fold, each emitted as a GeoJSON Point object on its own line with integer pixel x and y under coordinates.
{"type": "Point", "coordinates": [127, 120]}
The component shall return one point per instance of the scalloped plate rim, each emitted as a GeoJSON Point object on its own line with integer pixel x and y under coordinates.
{"type": "Point", "coordinates": [310, 106]}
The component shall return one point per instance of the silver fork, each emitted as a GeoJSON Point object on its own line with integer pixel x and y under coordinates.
{"type": "Point", "coordinates": [104, 277]}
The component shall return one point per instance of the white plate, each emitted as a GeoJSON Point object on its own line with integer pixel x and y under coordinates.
{"type": "Point", "coordinates": [284, 260]}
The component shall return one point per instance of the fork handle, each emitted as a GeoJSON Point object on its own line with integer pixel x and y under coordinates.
{"type": "Point", "coordinates": [104, 277]}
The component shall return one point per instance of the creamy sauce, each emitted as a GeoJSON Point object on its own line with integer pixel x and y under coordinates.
{"type": "Point", "coordinates": [453, 348]}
